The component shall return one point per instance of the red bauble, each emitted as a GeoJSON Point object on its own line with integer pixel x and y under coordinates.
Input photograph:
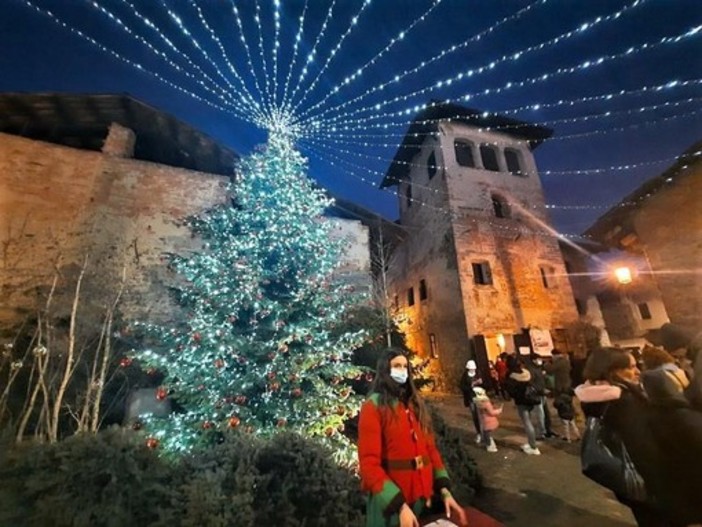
{"type": "Point", "coordinates": [207, 425]}
{"type": "Point", "coordinates": [240, 399]}
{"type": "Point", "coordinates": [152, 443]}
{"type": "Point", "coordinates": [219, 363]}
{"type": "Point", "coordinates": [161, 393]}
{"type": "Point", "coordinates": [281, 422]}
{"type": "Point", "coordinates": [296, 392]}
{"type": "Point", "coordinates": [271, 375]}
{"type": "Point", "coordinates": [197, 337]}
{"type": "Point", "coordinates": [125, 362]}
{"type": "Point", "coordinates": [234, 421]}
{"type": "Point", "coordinates": [275, 386]}
{"type": "Point", "coordinates": [329, 431]}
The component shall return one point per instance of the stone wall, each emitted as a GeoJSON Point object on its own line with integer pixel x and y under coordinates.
{"type": "Point", "coordinates": [59, 206]}
{"type": "Point", "coordinates": [669, 227]}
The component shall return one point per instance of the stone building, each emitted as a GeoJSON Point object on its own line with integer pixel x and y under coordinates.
{"type": "Point", "coordinates": [623, 313]}
{"type": "Point", "coordinates": [107, 178]}
{"type": "Point", "coordinates": [477, 270]}
{"type": "Point", "coordinates": [660, 224]}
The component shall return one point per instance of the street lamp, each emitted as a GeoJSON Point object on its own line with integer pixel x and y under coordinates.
{"type": "Point", "coordinates": [623, 275]}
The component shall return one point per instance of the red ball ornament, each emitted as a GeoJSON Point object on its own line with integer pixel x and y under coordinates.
{"type": "Point", "coordinates": [161, 393]}
{"type": "Point", "coordinates": [329, 431]}
{"type": "Point", "coordinates": [219, 363]}
{"type": "Point", "coordinates": [296, 392]}
{"type": "Point", "coordinates": [197, 337]}
{"type": "Point", "coordinates": [275, 386]}
{"type": "Point", "coordinates": [125, 362]}
{"type": "Point", "coordinates": [240, 399]}
{"type": "Point", "coordinates": [281, 422]}
{"type": "Point", "coordinates": [152, 443]}
{"type": "Point", "coordinates": [234, 421]}
{"type": "Point", "coordinates": [271, 375]}
{"type": "Point", "coordinates": [207, 425]}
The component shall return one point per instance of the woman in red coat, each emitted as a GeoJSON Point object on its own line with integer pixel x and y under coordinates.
{"type": "Point", "coordinates": [401, 469]}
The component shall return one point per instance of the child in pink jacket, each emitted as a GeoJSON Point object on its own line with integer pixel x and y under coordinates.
{"type": "Point", "coordinates": [488, 418]}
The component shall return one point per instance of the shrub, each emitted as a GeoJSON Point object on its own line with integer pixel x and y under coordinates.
{"type": "Point", "coordinates": [463, 471]}
{"type": "Point", "coordinates": [106, 479]}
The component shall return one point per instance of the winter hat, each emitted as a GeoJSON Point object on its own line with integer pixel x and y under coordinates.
{"type": "Point", "coordinates": [471, 365]}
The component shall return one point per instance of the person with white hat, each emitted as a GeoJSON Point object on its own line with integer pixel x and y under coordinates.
{"type": "Point", "coordinates": [470, 380]}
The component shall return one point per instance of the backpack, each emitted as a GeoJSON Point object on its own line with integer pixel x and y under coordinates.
{"type": "Point", "coordinates": [532, 395]}
{"type": "Point", "coordinates": [605, 460]}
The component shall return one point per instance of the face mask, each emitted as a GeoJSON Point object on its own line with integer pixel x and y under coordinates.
{"type": "Point", "coordinates": [399, 375]}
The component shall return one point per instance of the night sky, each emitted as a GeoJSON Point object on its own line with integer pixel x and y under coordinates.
{"type": "Point", "coordinates": [644, 130]}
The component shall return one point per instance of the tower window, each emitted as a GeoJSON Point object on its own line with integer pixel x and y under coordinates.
{"type": "Point", "coordinates": [410, 296]}
{"type": "Point", "coordinates": [431, 165]}
{"type": "Point", "coordinates": [489, 156]}
{"type": "Point", "coordinates": [500, 207]}
{"type": "Point", "coordinates": [580, 306]}
{"type": "Point", "coordinates": [547, 277]}
{"type": "Point", "coordinates": [464, 153]}
{"type": "Point", "coordinates": [481, 273]}
{"type": "Point", "coordinates": [645, 311]}
{"type": "Point", "coordinates": [422, 290]}
{"type": "Point", "coordinates": [514, 162]}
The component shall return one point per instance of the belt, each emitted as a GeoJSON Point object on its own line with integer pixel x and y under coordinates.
{"type": "Point", "coordinates": [416, 463]}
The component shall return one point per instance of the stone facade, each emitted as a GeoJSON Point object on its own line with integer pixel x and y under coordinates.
{"type": "Point", "coordinates": [661, 223]}
{"type": "Point", "coordinates": [461, 221]}
{"type": "Point", "coordinates": [59, 205]}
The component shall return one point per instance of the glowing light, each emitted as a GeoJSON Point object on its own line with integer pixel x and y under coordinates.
{"type": "Point", "coordinates": [623, 275]}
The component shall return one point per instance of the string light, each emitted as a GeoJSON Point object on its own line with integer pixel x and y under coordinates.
{"type": "Point", "coordinates": [473, 72]}
{"type": "Point", "coordinates": [124, 59]}
{"type": "Point", "coordinates": [357, 74]}
{"type": "Point", "coordinates": [584, 65]}
{"type": "Point", "coordinates": [332, 54]}
{"type": "Point", "coordinates": [296, 46]}
{"type": "Point", "coordinates": [311, 55]}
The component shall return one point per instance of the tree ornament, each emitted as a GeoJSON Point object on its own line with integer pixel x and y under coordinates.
{"type": "Point", "coordinates": [125, 362]}
{"type": "Point", "coordinates": [281, 422]}
{"type": "Point", "coordinates": [207, 425]}
{"type": "Point", "coordinates": [240, 400]}
{"type": "Point", "coordinates": [152, 443]}
{"type": "Point", "coordinates": [197, 337]}
{"type": "Point", "coordinates": [234, 421]}
{"type": "Point", "coordinates": [329, 431]}
{"type": "Point", "coordinates": [274, 387]}
{"type": "Point", "coordinates": [137, 425]}
{"type": "Point", "coordinates": [296, 392]}
{"type": "Point", "coordinates": [271, 375]}
{"type": "Point", "coordinates": [219, 364]}
{"type": "Point", "coordinates": [161, 393]}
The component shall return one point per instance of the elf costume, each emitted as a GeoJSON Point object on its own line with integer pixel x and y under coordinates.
{"type": "Point", "coordinates": [399, 463]}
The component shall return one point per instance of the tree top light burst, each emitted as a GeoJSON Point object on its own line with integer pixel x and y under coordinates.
{"type": "Point", "coordinates": [321, 71]}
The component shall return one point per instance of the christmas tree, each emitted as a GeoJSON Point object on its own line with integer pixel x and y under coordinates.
{"type": "Point", "coordinates": [262, 346]}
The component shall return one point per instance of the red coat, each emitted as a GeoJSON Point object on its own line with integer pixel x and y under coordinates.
{"type": "Point", "coordinates": [393, 434]}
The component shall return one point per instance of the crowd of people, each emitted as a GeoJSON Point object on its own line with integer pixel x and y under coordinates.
{"type": "Point", "coordinates": [645, 405]}
{"type": "Point", "coordinates": [648, 403]}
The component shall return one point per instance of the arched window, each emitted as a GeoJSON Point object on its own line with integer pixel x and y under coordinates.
{"type": "Point", "coordinates": [513, 159]}
{"type": "Point", "coordinates": [464, 153]}
{"type": "Point", "coordinates": [488, 154]}
{"type": "Point", "coordinates": [500, 206]}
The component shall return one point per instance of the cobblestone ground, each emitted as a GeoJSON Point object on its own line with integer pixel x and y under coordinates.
{"type": "Point", "coordinates": [533, 491]}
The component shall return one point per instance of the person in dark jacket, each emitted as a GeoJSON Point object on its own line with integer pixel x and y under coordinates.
{"type": "Point", "coordinates": [518, 380]}
{"type": "Point", "coordinates": [470, 380]}
{"type": "Point", "coordinates": [612, 391]}
{"type": "Point", "coordinates": [678, 429]}
{"type": "Point", "coordinates": [538, 378]}
{"type": "Point", "coordinates": [559, 367]}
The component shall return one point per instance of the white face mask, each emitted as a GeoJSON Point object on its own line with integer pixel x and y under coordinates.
{"type": "Point", "coordinates": [399, 375]}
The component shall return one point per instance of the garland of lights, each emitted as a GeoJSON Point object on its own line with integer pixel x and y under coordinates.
{"type": "Point", "coordinates": [474, 72]}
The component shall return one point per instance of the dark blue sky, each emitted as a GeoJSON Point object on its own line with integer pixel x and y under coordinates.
{"type": "Point", "coordinates": [37, 55]}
